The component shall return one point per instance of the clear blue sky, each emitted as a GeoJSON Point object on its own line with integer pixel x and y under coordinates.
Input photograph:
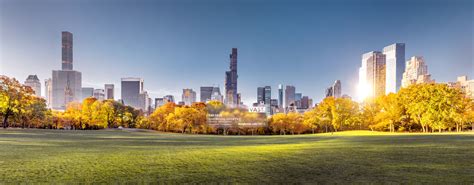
{"type": "Point", "coordinates": [176, 44]}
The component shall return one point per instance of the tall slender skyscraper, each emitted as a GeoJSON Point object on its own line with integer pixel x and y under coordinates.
{"type": "Point", "coordinates": [280, 95]}
{"type": "Point", "coordinates": [66, 83]}
{"type": "Point", "coordinates": [290, 92]}
{"type": "Point", "coordinates": [372, 75]}
{"type": "Point", "coordinates": [231, 80]}
{"type": "Point", "coordinates": [66, 50]}
{"type": "Point", "coordinates": [394, 66]}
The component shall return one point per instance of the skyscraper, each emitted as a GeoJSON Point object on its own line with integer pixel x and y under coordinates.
{"type": "Point", "coordinates": [334, 90]}
{"type": "Point", "coordinates": [48, 91]}
{"type": "Point", "coordinates": [264, 96]}
{"type": "Point", "coordinates": [231, 80]}
{"type": "Point", "coordinates": [188, 96]}
{"type": "Point", "coordinates": [159, 102]}
{"type": "Point", "coordinates": [131, 90]}
{"type": "Point", "coordinates": [394, 66]}
{"type": "Point", "coordinates": [66, 83]}
{"type": "Point", "coordinates": [260, 95]}
{"type": "Point", "coordinates": [206, 93]}
{"type": "Point", "coordinates": [216, 94]}
{"type": "Point", "coordinates": [289, 95]}
{"type": "Point", "coordinates": [168, 99]}
{"type": "Point", "coordinates": [416, 71]}
{"type": "Point", "coordinates": [372, 75]}
{"type": "Point", "coordinates": [66, 50]}
{"type": "Point", "coordinates": [109, 91]}
{"type": "Point", "coordinates": [280, 95]}
{"type": "Point", "coordinates": [35, 84]}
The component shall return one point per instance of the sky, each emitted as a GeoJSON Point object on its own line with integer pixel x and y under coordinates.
{"type": "Point", "coordinates": [176, 44]}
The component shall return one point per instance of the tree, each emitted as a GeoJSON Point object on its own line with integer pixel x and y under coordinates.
{"type": "Point", "coordinates": [390, 113]}
{"type": "Point", "coordinates": [12, 95]}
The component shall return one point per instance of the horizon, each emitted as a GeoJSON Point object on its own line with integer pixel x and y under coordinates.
{"type": "Point", "coordinates": [288, 54]}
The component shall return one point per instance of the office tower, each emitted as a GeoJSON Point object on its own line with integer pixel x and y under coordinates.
{"type": "Point", "coordinates": [310, 103]}
{"type": "Point", "coordinates": [334, 90]}
{"type": "Point", "coordinates": [48, 91]}
{"type": "Point", "coordinates": [66, 83]}
{"type": "Point", "coordinates": [35, 84]}
{"type": "Point", "coordinates": [143, 103]}
{"type": "Point", "coordinates": [298, 97]}
{"type": "Point", "coordinates": [131, 90]}
{"type": "Point", "coordinates": [289, 95]}
{"type": "Point", "coordinates": [260, 95]}
{"type": "Point", "coordinates": [206, 93]}
{"type": "Point", "coordinates": [99, 94]}
{"type": "Point", "coordinates": [87, 92]}
{"type": "Point", "coordinates": [337, 89]}
{"type": "Point", "coordinates": [239, 99]}
{"type": "Point", "coordinates": [159, 102]}
{"type": "Point", "coordinates": [329, 92]}
{"type": "Point", "coordinates": [188, 96]}
{"type": "Point", "coordinates": [168, 99]}
{"type": "Point", "coordinates": [67, 50]}
{"type": "Point", "coordinates": [394, 66]}
{"type": "Point", "coordinates": [280, 95]}
{"type": "Point", "coordinates": [372, 75]}
{"type": "Point", "coordinates": [268, 95]}
{"type": "Point", "coordinates": [305, 102]}
{"type": "Point", "coordinates": [231, 81]}
{"type": "Point", "coordinates": [416, 68]}
{"type": "Point", "coordinates": [109, 91]}
{"type": "Point", "coordinates": [216, 94]}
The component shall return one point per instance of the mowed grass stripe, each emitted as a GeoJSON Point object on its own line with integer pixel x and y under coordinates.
{"type": "Point", "coordinates": [121, 156]}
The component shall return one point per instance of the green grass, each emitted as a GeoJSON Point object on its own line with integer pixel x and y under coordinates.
{"type": "Point", "coordinates": [108, 156]}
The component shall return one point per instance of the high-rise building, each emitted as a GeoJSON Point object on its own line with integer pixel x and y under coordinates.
{"type": "Point", "coordinates": [290, 92]}
{"type": "Point", "coordinates": [48, 91]}
{"type": "Point", "coordinates": [231, 81]}
{"type": "Point", "coordinates": [99, 94]}
{"type": "Point", "coordinates": [87, 92]}
{"type": "Point", "coordinates": [305, 102]}
{"type": "Point", "coordinates": [264, 96]}
{"type": "Point", "coordinates": [35, 84]}
{"type": "Point", "coordinates": [109, 91]}
{"type": "Point", "coordinates": [416, 71]}
{"type": "Point", "coordinates": [188, 97]}
{"type": "Point", "coordinates": [394, 66]}
{"type": "Point", "coordinates": [329, 92]}
{"type": "Point", "coordinates": [335, 90]}
{"type": "Point", "coordinates": [143, 102]}
{"type": "Point", "coordinates": [280, 95]}
{"type": "Point", "coordinates": [159, 102]}
{"type": "Point", "coordinates": [66, 83]}
{"type": "Point", "coordinates": [372, 75]}
{"type": "Point", "coordinates": [216, 94]}
{"type": "Point", "coordinates": [66, 49]}
{"type": "Point", "coordinates": [168, 99]}
{"type": "Point", "coordinates": [206, 93]}
{"type": "Point", "coordinates": [131, 90]}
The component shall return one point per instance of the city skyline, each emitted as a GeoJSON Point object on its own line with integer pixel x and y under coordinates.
{"type": "Point", "coordinates": [447, 59]}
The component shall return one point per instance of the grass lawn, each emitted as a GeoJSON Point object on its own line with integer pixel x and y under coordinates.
{"type": "Point", "coordinates": [112, 156]}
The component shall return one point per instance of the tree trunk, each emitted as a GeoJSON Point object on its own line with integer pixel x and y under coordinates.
{"type": "Point", "coordinates": [5, 120]}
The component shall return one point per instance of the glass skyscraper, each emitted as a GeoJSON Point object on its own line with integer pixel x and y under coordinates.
{"type": "Point", "coordinates": [394, 66]}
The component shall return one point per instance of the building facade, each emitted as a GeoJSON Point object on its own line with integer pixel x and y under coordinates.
{"type": "Point", "coordinates": [188, 96]}
{"type": "Point", "coordinates": [109, 91]}
{"type": "Point", "coordinates": [35, 84]}
{"type": "Point", "coordinates": [372, 75]}
{"type": "Point", "coordinates": [394, 66]}
{"type": "Point", "coordinates": [290, 92]}
{"type": "Point", "coordinates": [87, 92]}
{"type": "Point", "coordinates": [99, 94]}
{"type": "Point", "coordinates": [131, 90]}
{"type": "Point", "coordinates": [231, 93]}
{"type": "Point", "coordinates": [48, 91]}
{"type": "Point", "coordinates": [66, 83]}
{"type": "Point", "coordinates": [280, 95]}
{"type": "Point", "coordinates": [416, 71]}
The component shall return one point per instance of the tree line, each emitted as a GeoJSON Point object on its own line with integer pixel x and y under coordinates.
{"type": "Point", "coordinates": [417, 108]}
